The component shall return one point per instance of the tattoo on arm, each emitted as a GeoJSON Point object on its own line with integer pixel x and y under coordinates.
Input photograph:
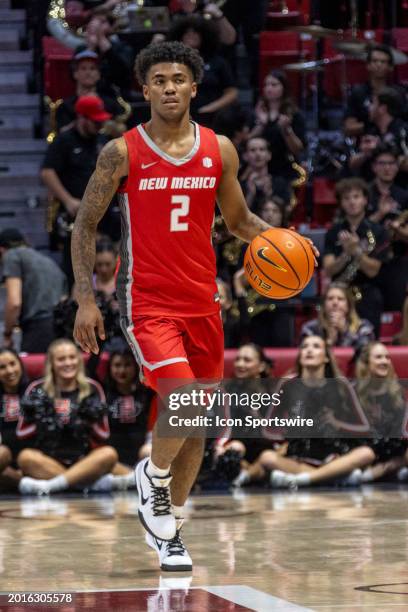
{"type": "Point", "coordinates": [251, 227]}
{"type": "Point", "coordinates": [98, 194]}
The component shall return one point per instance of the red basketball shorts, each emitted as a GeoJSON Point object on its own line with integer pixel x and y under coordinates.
{"type": "Point", "coordinates": [171, 348]}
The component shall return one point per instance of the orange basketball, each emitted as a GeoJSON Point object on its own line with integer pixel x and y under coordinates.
{"type": "Point", "coordinates": [279, 263]}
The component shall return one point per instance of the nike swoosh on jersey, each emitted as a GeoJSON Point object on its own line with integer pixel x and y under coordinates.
{"type": "Point", "coordinates": [144, 166]}
{"type": "Point", "coordinates": [261, 254]}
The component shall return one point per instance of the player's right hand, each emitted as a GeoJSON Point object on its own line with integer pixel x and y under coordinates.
{"type": "Point", "coordinates": [87, 320]}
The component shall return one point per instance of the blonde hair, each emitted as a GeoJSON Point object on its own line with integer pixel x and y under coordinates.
{"type": "Point", "coordinates": [364, 377]}
{"type": "Point", "coordinates": [50, 386]}
{"type": "Point", "coordinates": [352, 317]}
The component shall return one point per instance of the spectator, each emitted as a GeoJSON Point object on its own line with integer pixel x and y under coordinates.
{"type": "Point", "coordinates": [380, 66]}
{"type": "Point", "coordinates": [128, 408]}
{"type": "Point", "coordinates": [388, 205]}
{"type": "Point", "coordinates": [79, 12]}
{"type": "Point", "coordinates": [211, 10]}
{"type": "Point", "coordinates": [13, 383]}
{"type": "Point", "coordinates": [34, 285]}
{"type": "Point", "coordinates": [317, 391]}
{"type": "Point", "coordinates": [233, 123]}
{"type": "Point", "coordinates": [69, 163]}
{"type": "Point", "coordinates": [256, 180]}
{"type": "Point", "coordinates": [251, 366]}
{"type": "Point", "coordinates": [105, 267]}
{"type": "Point", "coordinates": [86, 74]}
{"type": "Point", "coordinates": [359, 162]}
{"type": "Point", "coordinates": [65, 415]}
{"type": "Point", "coordinates": [248, 18]}
{"type": "Point", "coordinates": [274, 211]}
{"type": "Point", "coordinates": [104, 283]}
{"type": "Point", "coordinates": [116, 58]}
{"type": "Point", "coordinates": [386, 199]}
{"type": "Point", "coordinates": [402, 336]}
{"type": "Point", "coordinates": [385, 113]}
{"type": "Point", "coordinates": [355, 249]}
{"type": "Point", "coordinates": [278, 120]}
{"type": "Point", "coordinates": [263, 321]}
{"type": "Point", "coordinates": [338, 322]}
{"type": "Point", "coordinates": [217, 89]}
{"type": "Point", "coordinates": [383, 400]}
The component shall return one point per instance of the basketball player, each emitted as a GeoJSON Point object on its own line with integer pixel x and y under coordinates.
{"type": "Point", "coordinates": [168, 172]}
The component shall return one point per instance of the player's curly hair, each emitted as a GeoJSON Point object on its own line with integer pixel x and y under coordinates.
{"type": "Point", "coordinates": [173, 52]}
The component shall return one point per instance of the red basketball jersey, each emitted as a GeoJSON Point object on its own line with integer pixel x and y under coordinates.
{"type": "Point", "coordinates": [167, 260]}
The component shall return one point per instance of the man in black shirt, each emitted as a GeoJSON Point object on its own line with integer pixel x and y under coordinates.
{"type": "Point", "coordinates": [385, 114]}
{"type": "Point", "coordinates": [386, 199]}
{"type": "Point", "coordinates": [69, 162]}
{"type": "Point", "coordinates": [380, 66]}
{"type": "Point", "coordinates": [388, 205]}
{"type": "Point", "coordinates": [355, 250]}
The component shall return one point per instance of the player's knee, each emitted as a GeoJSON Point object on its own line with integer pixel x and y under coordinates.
{"type": "Point", "coordinates": [28, 459]}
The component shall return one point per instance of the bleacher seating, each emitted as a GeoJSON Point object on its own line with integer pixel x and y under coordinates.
{"type": "Point", "coordinates": [279, 48]}
{"type": "Point", "coordinates": [58, 82]}
{"type": "Point", "coordinates": [352, 68]}
{"type": "Point", "coordinates": [324, 200]}
{"type": "Point", "coordinates": [400, 41]}
{"type": "Point", "coordinates": [283, 359]}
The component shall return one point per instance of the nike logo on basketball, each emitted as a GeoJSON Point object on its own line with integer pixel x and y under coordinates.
{"type": "Point", "coordinates": [261, 255]}
{"type": "Point", "coordinates": [144, 166]}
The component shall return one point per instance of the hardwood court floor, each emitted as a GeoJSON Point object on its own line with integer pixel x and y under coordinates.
{"type": "Point", "coordinates": [327, 551]}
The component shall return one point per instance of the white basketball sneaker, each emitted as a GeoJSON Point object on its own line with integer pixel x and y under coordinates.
{"type": "Point", "coordinates": [173, 555]}
{"type": "Point", "coordinates": [155, 503]}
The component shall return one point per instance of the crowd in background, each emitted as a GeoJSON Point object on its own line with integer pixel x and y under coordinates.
{"type": "Point", "coordinates": [69, 430]}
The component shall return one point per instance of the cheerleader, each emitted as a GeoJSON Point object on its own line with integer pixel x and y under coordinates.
{"type": "Point", "coordinates": [383, 401]}
{"type": "Point", "coordinates": [13, 382]}
{"type": "Point", "coordinates": [129, 405]}
{"type": "Point", "coordinates": [317, 391]}
{"type": "Point", "coordinates": [64, 416]}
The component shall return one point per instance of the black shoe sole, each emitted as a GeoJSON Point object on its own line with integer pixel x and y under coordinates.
{"type": "Point", "coordinates": [150, 531]}
{"type": "Point", "coordinates": [176, 568]}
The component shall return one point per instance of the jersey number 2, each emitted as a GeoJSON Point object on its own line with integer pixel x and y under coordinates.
{"type": "Point", "coordinates": [181, 211]}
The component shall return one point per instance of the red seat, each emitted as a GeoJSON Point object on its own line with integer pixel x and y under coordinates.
{"type": "Point", "coordinates": [391, 323]}
{"type": "Point", "coordinates": [324, 200]}
{"type": "Point", "coordinates": [292, 5]}
{"type": "Point", "coordinates": [400, 41]}
{"type": "Point", "coordinates": [58, 82]}
{"type": "Point", "coordinates": [279, 48]}
{"type": "Point", "coordinates": [276, 20]}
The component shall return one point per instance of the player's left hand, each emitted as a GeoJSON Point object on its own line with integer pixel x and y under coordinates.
{"type": "Point", "coordinates": [315, 250]}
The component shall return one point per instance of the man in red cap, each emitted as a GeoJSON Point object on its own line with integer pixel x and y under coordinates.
{"type": "Point", "coordinates": [69, 163]}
